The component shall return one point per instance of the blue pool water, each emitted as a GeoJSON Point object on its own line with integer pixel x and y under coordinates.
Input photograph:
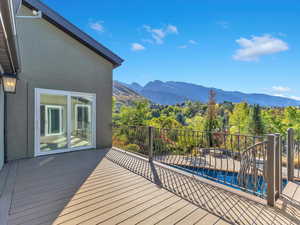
{"type": "Point", "coordinates": [230, 179]}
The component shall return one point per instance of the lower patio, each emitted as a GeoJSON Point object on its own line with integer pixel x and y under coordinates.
{"type": "Point", "coordinates": [112, 187]}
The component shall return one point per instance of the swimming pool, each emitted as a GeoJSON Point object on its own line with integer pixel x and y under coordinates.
{"type": "Point", "coordinates": [230, 179]}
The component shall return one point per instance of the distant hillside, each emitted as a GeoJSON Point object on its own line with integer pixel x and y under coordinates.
{"type": "Point", "coordinates": [123, 94]}
{"type": "Point", "coordinates": [171, 92]}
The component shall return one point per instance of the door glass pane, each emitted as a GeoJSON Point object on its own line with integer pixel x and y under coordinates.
{"type": "Point", "coordinates": [53, 122]}
{"type": "Point", "coordinates": [81, 117]}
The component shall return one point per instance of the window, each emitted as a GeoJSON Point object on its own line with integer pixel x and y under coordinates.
{"type": "Point", "coordinates": [82, 115]}
{"type": "Point", "coordinates": [53, 120]}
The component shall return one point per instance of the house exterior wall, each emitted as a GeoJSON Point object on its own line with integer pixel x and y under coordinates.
{"type": "Point", "coordinates": [51, 59]}
{"type": "Point", "coordinates": [1, 128]}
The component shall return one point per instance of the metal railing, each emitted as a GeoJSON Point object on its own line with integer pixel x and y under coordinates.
{"type": "Point", "coordinates": [216, 156]}
{"type": "Point", "coordinates": [243, 162]}
{"type": "Point", "coordinates": [132, 138]}
{"type": "Point", "coordinates": [297, 160]}
{"type": "Point", "coordinates": [291, 160]}
{"type": "Point", "coordinates": [252, 174]}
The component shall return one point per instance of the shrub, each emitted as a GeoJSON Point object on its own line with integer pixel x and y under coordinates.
{"type": "Point", "coordinates": [195, 152]}
{"type": "Point", "coordinates": [119, 140]}
{"type": "Point", "coordinates": [132, 147]}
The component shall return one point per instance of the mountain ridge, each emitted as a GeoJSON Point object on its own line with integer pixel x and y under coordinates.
{"type": "Point", "coordinates": [124, 94]}
{"type": "Point", "coordinates": [173, 92]}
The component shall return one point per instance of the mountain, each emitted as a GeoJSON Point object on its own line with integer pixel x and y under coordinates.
{"type": "Point", "coordinates": [135, 86]}
{"type": "Point", "coordinates": [123, 94]}
{"type": "Point", "coordinates": [171, 92]}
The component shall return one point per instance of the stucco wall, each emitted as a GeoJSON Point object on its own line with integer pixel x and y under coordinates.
{"type": "Point", "coordinates": [1, 128]}
{"type": "Point", "coordinates": [52, 59]}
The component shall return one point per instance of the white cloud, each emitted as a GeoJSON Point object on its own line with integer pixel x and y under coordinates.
{"type": "Point", "coordinates": [137, 47]}
{"type": "Point", "coordinates": [223, 24]}
{"type": "Point", "coordinates": [158, 34]}
{"type": "Point", "coordinates": [280, 89]}
{"type": "Point", "coordinates": [252, 49]}
{"type": "Point", "coordinates": [182, 46]}
{"type": "Point", "coordinates": [280, 95]}
{"type": "Point", "coordinates": [97, 26]}
{"type": "Point", "coordinates": [287, 96]}
{"type": "Point", "coordinates": [296, 97]}
{"type": "Point", "coordinates": [148, 41]}
{"type": "Point", "coordinates": [172, 29]}
{"type": "Point", "coordinates": [189, 43]}
{"type": "Point", "coordinates": [282, 34]}
{"type": "Point", "coordinates": [193, 42]}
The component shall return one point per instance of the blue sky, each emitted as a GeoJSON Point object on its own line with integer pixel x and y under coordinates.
{"type": "Point", "coordinates": [249, 45]}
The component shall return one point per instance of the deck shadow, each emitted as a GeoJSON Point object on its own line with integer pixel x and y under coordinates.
{"type": "Point", "coordinates": [229, 206]}
{"type": "Point", "coordinates": [44, 186]}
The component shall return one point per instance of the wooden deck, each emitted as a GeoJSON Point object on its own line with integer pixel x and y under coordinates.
{"type": "Point", "coordinates": [290, 199]}
{"type": "Point", "coordinates": [93, 187]}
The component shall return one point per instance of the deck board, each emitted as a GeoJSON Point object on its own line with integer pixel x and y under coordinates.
{"type": "Point", "coordinates": [105, 187]}
{"type": "Point", "coordinates": [150, 211]}
{"type": "Point", "coordinates": [193, 217]}
{"type": "Point", "coordinates": [3, 174]}
{"type": "Point", "coordinates": [7, 193]}
{"type": "Point", "coordinates": [177, 215]}
{"type": "Point", "coordinates": [296, 196]}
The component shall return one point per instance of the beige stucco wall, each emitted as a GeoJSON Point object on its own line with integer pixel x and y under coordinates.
{"type": "Point", "coordinates": [1, 128]}
{"type": "Point", "coordinates": [52, 59]}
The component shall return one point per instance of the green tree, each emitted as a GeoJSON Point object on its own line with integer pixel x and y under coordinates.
{"type": "Point", "coordinates": [136, 115]}
{"type": "Point", "coordinates": [256, 126]}
{"type": "Point", "coordinates": [180, 119]}
{"type": "Point", "coordinates": [164, 122]}
{"type": "Point", "coordinates": [239, 118]}
{"type": "Point", "coordinates": [191, 109]}
{"type": "Point", "coordinates": [113, 104]}
{"type": "Point", "coordinates": [196, 123]}
{"type": "Point", "coordinates": [211, 123]}
{"type": "Point", "coordinates": [292, 119]}
{"type": "Point", "coordinates": [273, 120]}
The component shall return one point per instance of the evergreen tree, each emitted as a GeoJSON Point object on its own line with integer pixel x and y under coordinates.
{"type": "Point", "coordinates": [256, 126]}
{"type": "Point", "coordinates": [211, 122]}
{"type": "Point", "coordinates": [180, 119]}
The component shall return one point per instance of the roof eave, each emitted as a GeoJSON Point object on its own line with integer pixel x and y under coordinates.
{"type": "Point", "coordinates": [9, 28]}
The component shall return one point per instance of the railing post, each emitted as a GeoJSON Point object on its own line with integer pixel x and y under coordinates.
{"type": "Point", "coordinates": [278, 169]}
{"type": "Point", "coordinates": [290, 154]}
{"type": "Point", "coordinates": [271, 170]}
{"type": "Point", "coordinates": [150, 143]}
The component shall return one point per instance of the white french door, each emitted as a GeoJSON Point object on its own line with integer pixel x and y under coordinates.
{"type": "Point", "coordinates": [64, 121]}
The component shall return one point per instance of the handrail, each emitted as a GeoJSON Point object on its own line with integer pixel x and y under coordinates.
{"type": "Point", "coordinates": [240, 161]}
{"type": "Point", "coordinates": [192, 130]}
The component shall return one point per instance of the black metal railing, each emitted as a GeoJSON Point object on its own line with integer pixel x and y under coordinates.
{"type": "Point", "coordinates": [234, 160]}
{"type": "Point", "coordinates": [131, 138]}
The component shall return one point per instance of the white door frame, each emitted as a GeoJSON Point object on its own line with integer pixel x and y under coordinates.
{"type": "Point", "coordinates": [60, 108]}
{"type": "Point", "coordinates": [68, 94]}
